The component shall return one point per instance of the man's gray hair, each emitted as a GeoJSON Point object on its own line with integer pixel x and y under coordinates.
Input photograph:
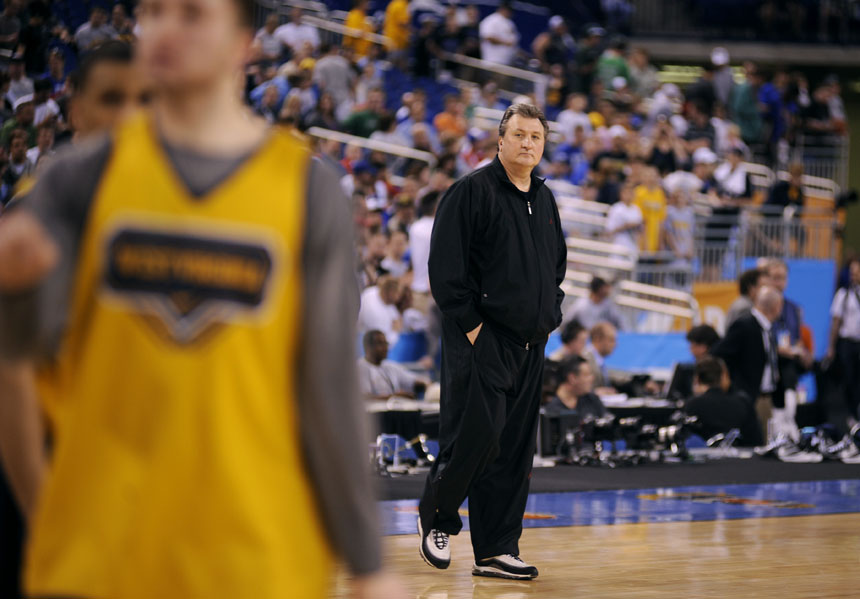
{"type": "Point", "coordinates": [527, 111]}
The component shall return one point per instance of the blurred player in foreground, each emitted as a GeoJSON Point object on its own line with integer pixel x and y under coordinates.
{"type": "Point", "coordinates": [192, 276]}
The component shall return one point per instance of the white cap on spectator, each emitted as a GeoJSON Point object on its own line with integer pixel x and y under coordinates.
{"type": "Point", "coordinates": [617, 131]}
{"type": "Point", "coordinates": [619, 82]}
{"type": "Point", "coordinates": [555, 21]}
{"type": "Point", "coordinates": [719, 56]}
{"type": "Point", "coordinates": [25, 99]}
{"type": "Point", "coordinates": [704, 156]}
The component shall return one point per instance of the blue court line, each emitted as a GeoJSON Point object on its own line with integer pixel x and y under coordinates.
{"type": "Point", "coordinates": [676, 504]}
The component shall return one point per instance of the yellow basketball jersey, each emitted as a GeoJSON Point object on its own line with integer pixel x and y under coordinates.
{"type": "Point", "coordinates": [177, 468]}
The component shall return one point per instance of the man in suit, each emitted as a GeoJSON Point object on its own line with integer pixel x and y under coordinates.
{"type": "Point", "coordinates": [750, 352]}
{"type": "Point", "coordinates": [717, 409]}
{"type": "Point", "coordinates": [601, 346]}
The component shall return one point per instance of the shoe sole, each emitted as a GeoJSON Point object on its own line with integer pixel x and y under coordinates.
{"type": "Point", "coordinates": [497, 573]}
{"type": "Point", "coordinates": [421, 549]}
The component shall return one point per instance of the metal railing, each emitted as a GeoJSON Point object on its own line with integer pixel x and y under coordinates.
{"type": "Point", "coordinates": [645, 308]}
{"type": "Point", "coordinates": [512, 80]}
{"type": "Point", "coordinates": [373, 144]}
{"type": "Point", "coordinates": [825, 157]}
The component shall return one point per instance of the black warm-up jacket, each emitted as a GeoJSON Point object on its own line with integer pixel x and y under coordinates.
{"type": "Point", "coordinates": [498, 255]}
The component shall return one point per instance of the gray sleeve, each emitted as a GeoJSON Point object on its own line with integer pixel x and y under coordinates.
{"type": "Point", "coordinates": [32, 322]}
{"type": "Point", "coordinates": [333, 422]}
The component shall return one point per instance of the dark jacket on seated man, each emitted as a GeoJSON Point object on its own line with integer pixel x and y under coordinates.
{"type": "Point", "coordinates": [575, 390]}
{"type": "Point", "coordinates": [720, 411]}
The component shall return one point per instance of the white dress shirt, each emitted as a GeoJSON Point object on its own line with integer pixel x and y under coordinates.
{"type": "Point", "coordinates": [768, 377]}
{"type": "Point", "coordinates": [846, 306]}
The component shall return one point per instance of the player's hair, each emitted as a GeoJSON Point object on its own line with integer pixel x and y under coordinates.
{"type": "Point", "coordinates": [709, 371]}
{"type": "Point", "coordinates": [570, 331]}
{"type": "Point", "coordinates": [111, 51]}
{"type": "Point", "coordinates": [528, 111]}
{"type": "Point", "coordinates": [703, 334]}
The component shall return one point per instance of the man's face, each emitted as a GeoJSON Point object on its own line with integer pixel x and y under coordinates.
{"type": "Point", "coordinates": [46, 138]}
{"type": "Point", "coordinates": [398, 245]}
{"type": "Point", "coordinates": [25, 114]}
{"type": "Point", "coordinates": [779, 277]}
{"type": "Point", "coordinates": [577, 346]}
{"type": "Point", "coordinates": [112, 91]}
{"type": "Point", "coordinates": [377, 348]}
{"type": "Point", "coordinates": [191, 43]}
{"type": "Point", "coordinates": [582, 381]}
{"type": "Point", "coordinates": [18, 149]}
{"type": "Point", "coordinates": [775, 311]}
{"type": "Point", "coordinates": [271, 23]}
{"type": "Point", "coordinates": [375, 101]}
{"type": "Point", "coordinates": [698, 350]}
{"type": "Point", "coordinates": [601, 294]}
{"type": "Point", "coordinates": [56, 63]}
{"type": "Point", "coordinates": [605, 344]}
{"type": "Point", "coordinates": [118, 15]}
{"type": "Point", "coordinates": [98, 18]}
{"type": "Point", "coordinates": [523, 142]}
{"type": "Point", "coordinates": [854, 272]}
{"type": "Point", "coordinates": [16, 70]}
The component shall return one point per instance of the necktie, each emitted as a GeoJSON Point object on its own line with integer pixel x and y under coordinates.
{"type": "Point", "coordinates": [772, 356]}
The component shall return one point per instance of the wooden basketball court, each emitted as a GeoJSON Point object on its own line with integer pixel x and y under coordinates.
{"type": "Point", "coordinates": [785, 556]}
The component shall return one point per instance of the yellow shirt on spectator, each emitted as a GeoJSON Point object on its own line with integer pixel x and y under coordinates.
{"type": "Point", "coordinates": [357, 19]}
{"type": "Point", "coordinates": [652, 203]}
{"type": "Point", "coordinates": [396, 27]}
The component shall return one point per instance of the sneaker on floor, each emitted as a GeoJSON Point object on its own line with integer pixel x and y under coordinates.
{"type": "Point", "coordinates": [795, 455]}
{"type": "Point", "coordinates": [434, 547]}
{"type": "Point", "coordinates": [504, 566]}
{"type": "Point", "coordinates": [771, 448]}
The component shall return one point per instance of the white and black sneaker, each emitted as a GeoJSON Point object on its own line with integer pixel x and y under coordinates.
{"type": "Point", "coordinates": [504, 566]}
{"type": "Point", "coordinates": [434, 547]}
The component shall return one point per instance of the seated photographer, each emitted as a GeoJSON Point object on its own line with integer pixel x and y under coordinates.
{"type": "Point", "coordinates": [574, 338]}
{"type": "Point", "coordinates": [575, 390]}
{"type": "Point", "coordinates": [717, 409]}
{"type": "Point", "coordinates": [379, 378]}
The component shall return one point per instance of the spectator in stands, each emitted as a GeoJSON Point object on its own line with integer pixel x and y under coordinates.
{"type": "Point", "coordinates": [700, 131]}
{"type": "Point", "coordinates": [835, 106]}
{"type": "Point", "coordinates": [771, 97]}
{"type": "Point", "coordinates": [555, 46]}
{"type": "Point", "coordinates": [844, 341]}
{"type": "Point", "coordinates": [745, 106]}
{"type": "Point", "coordinates": [587, 55]}
{"type": "Point", "coordinates": [120, 22]}
{"type": "Point", "coordinates": [624, 221]}
{"type": "Point", "coordinates": [667, 151]}
{"type": "Point", "coordinates": [418, 115]}
{"type": "Point", "coordinates": [718, 410]}
{"type": "Point", "coordinates": [323, 115]}
{"type": "Point", "coordinates": [596, 307]}
{"type": "Point", "coordinates": [298, 35]}
{"type": "Point", "coordinates": [490, 97]}
{"type": "Point", "coordinates": [424, 46]}
{"type": "Point", "coordinates": [365, 120]}
{"type": "Point", "coordinates": [10, 26]}
{"type": "Point", "coordinates": [419, 250]}
{"type": "Point", "coordinates": [788, 193]}
{"type": "Point", "coordinates": [603, 338]}
{"type": "Point", "coordinates": [397, 28]}
{"type": "Point", "coordinates": [95, 31]}
{"type": "Point", "coordinates": [574, 116]}
{"type": "Point", "coordinates": [451, 120]}
{"type": "Point", "coordinates": [678, 231]}
{"type": "Point", "coordinates": [380, 378]}
{"type": "Point", "coordinates": [404, 213]}
{"type": "Point", "coordinates": [267, 42]}
{"type": "Point", "coordinates": [35, 37]}
{"type": "Point", "coordinates": [379, 305]}
{"type": "Point", "coordinates": [23, 120]}
{"type": "Point", "coordinates": [749, 284]}
{"type": "Point", "coordinates": [44, 147]}
{"type": "Point", "coordinates": [612, 63]}
{"type": "Point", "coordinates": [574, 338]}
{"type": "Point", "coordinates": [499, 35]}
{"type": "Point", "coordinates": [576, 390]}
{"type": "Point", "coordinates": [643, 75]}
{"type": "Point", "coordinates": [723, 79]}
{"type": "Point", "coordinates": [702, 94]}
{"type": "Point", "coordinates": [651, 200]}
{"type": "Point", "coordinates": [44, 107]}
{"type": "Point", "coordinates": [18, 165]}
{"type": "Point", "coordinates": [396, 262]}
{"type": "Point", "coordinates": [358, 19]}
{"type": "Point", "coordinates": [56, 72]}
{"type": "Point", "coordinates": [19, 84]}
{"type": "Point", "coordinates": [701, 339]}
{"type": "Point", "coordinates": [334, 74]}
{"type": "Point", "coordinates": [749, 349]}
{"type": "Point", "coordinates": [733, 179]}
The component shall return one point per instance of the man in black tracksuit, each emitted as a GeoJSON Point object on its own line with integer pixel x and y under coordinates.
{"type": "Point", "coordinates": [497, 260]}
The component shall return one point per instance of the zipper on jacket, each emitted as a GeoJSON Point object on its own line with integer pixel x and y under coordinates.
{"type": "Point", "coordinates": [529, 204]}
